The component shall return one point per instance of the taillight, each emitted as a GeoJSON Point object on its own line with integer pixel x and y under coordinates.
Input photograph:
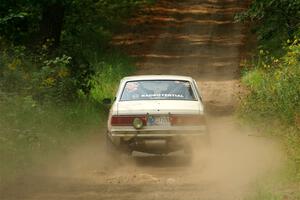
{"type": "Point", "coordinates": [181, 120]}
{"type": "Point", "coordinates": [126, 120]}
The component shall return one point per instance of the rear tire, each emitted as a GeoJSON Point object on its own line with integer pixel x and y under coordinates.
{"type": "Point", "coordinates": [198, 150]}
{"type": "Point", "coordinates": [116, 155]}
{"type": "Point", "coordinates": [111, 150]}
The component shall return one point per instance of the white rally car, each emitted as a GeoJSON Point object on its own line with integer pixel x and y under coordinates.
{"type": "Point", "coordinates": [156, 114]}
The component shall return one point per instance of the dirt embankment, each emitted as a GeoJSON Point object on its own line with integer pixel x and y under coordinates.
{"type": "Point", "coordinates": [195, 38]}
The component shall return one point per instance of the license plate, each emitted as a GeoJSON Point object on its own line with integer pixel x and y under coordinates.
{"type": "Point", "coordinates": [158, 121]}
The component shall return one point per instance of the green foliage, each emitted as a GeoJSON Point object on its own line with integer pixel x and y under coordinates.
{"type": "Point", "coordinates": [46, 79]}
{"type": "Point", "coordinates": [60, 74]}
{"type": "Point", "coordinates": [292, 140]}
{"type": "Point", "coordinates": [12, 16]}
{"type": "Point", "coordinates": [88, 26]}
{"type": "Point", "coordinates": [20, 20]}
{"type": "Point", "coordinates": [276, 21]}
{"type": "Point", "coordinates": [109, 72]}
{"type": "Point", "coordinates": [49, 97]}
{"type": "Point", "coordinates": [273, 104]}
{"type": "Point", "coordinates": [272, 81]}
{"type": "Point", "coordinates": [275, 88]}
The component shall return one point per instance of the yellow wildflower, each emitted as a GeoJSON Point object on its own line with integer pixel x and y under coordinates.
{"type": "Point", "coordinates": [13, 66]}
{"type": "Point", "coordinates": [63, 73]}
{"type": "Point", "coordinates": [50, 81]}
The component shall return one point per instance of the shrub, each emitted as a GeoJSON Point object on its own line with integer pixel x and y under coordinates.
{"type": "Point", "coordinates": [275, 87]}
{"type": "Point", "coordinates": [108, 74]}
{"type": "Point", "coordinates": [273, 100]}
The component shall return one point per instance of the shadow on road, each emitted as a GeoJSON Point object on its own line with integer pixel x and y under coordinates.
{"type": "Point", "coordinates": [162, 161]}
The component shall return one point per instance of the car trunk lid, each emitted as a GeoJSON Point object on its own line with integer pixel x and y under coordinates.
{"type": "Point", "coordinates": [159, 107]}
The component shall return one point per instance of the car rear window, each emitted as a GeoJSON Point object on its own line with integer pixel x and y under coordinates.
{"type": "Point", "coordinates": [158, 90]}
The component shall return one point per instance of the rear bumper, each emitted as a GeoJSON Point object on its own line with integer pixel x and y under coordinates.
{"type": "Point", "coordinates": [148, 134]}
{"type": "Point", "coordinates": [129, 132]}
{"type": "Point", "coordinates": [157, 140]}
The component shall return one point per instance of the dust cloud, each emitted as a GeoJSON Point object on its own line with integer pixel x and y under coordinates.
{"type": "Point", "coordinates": [238, 157]}
{"type": "Point", "coordinates": [235, 159]}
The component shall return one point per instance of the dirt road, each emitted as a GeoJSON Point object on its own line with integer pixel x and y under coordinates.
{"type": "Point", "coordinates": [196, 38]}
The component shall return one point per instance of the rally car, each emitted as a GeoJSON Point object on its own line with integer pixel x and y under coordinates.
{"type": "Point", "coordinates": [156, 114]}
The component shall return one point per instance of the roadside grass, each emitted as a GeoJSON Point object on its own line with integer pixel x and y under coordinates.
{"type": "Point", "coordinates": [281, 186]}
{"type": "Point", "coordinates": [109, 71]}
{"type": "Point", "coordinates": [272, 104]}
{"type": "Point", "coordinates": [263, 194]}
{"type": "Point", "coordinates": [30, 134]}
{"type": "Point", "coordinates": [32, 131]}
{"type": "Point", "coordinates": [50, 101]}
{"type": "Point", "coordinates": [284, 183]}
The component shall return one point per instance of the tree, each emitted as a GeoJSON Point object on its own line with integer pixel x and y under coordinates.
{"type": "Point", "coordinates": [276, 20]}
{"type": "Point", "coordinates": [52, 22]}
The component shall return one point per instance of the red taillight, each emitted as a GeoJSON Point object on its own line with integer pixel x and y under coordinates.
{"type": "Point", "coordinates": [181, 120]}
{"type": "Point", "coordinates": [126, 120]}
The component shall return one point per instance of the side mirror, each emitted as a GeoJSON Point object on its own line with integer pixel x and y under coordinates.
{"type": "Point", "coordinates": [107, 101]}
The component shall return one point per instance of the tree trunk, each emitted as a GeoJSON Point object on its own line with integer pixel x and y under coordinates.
{"type": "Point", "coordinates": [52, 22]}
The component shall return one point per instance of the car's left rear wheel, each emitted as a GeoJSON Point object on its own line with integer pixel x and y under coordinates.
{"type": "Point", "coordinates": [111, 151]}
{"type": "Point", "coordinates": [116, 153]}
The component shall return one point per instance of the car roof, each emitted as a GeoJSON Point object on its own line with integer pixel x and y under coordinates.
{"type": "Point", "coordinates": [156, 77]}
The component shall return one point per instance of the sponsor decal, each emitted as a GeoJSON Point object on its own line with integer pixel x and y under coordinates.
{"type": "Point", "coordinates": [162, 95]}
